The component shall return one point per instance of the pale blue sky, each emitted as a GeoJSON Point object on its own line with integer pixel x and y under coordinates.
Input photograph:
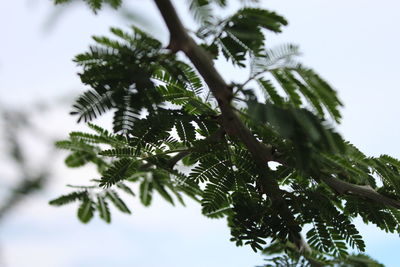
{"type": "Point", "coordinates": [353, 44]}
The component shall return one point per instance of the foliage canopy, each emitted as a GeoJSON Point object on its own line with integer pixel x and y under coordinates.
{"type": "Point", "coordinates": [170, 112]}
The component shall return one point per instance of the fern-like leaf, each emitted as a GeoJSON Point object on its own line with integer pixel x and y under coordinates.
{"type": "Point", "coordinates": [86, 210]}
{"type": "Point", "coordinates": [104, 210]}
{"type": "Point", "coordinates": [66, 199]}
{"type": "Point", "coordinates": [92, 104]}
{"type": "Point", "coordinates": [117, 201]}
{"type": "Point", "coordinates": [118, 171]}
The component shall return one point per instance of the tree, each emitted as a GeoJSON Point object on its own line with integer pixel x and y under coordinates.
{"type": "Point", "coordinates": [263, 153]}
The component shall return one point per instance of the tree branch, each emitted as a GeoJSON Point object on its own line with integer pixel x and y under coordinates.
{"type": "Point", "coordinates": [181, 41]}
{"type": "Point", "coordinates": [345, 188]}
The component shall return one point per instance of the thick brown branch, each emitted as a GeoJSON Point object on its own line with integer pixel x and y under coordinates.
{"type": "Point", "coordinates": [181, 41]}
{"type": "Point", "coordinates": [366, 191]}
{"type": "Point", "coordinates": [178, 35]}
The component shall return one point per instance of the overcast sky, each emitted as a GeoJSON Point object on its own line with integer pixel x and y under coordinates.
{"type": "Point", "coordinates": [353, 44]}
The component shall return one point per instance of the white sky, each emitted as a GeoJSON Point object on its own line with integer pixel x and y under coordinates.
{"type": "Point", "coordinates": [353, 44]}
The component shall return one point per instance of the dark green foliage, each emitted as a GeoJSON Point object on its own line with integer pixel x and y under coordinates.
{"type": "Point", "coordinates": [271, 92]}
{"type": "Point", "coordinates": [117, 201]}
{"type": "Point", "coordinates": [242, 34]}
{"type": "Point", "coordinates": [208, 168]}
{"type": "Point", "coordinates": [331, 228]}
{"type": "Point", "coordinates": [186, 131]}
{"type": "Point", "coordinates": [104, 211]}
{"type": "Point", "coordinates": [215, 198]}
{"type": "Point", "coordinates": [119, 80]}
{"type": "Point", "coordinates": [77, 159]}
{"type": "Point", "coordinates": [244, 31]}
{"type": "Point", "coordinates": [125, 188]}
{"type": "Point", "coordinates": [183, 92]}
{"type": "Point", "coordinates": [92, 104]}
{"type": "Point", "coordinates": [86, 209]}
{"type": "Point", "coordinates": [239, 35]}
{"type": "Point", "coordinates": [117, 172]}
{"type": "Point", "coordinates": [165, 117]}
{"type": "Point", "coordinates": [146, 188]}
{"type": "Point", "coordinates": [201, 10]}
{"type": "Point", "coordinates": [74, 196]}
{"type": "Point", "coordinates": [306, 131]}
{"type": "Point", "coordinates": [295, 259]}
{"type": "Point", "coordinates": [386, 219]}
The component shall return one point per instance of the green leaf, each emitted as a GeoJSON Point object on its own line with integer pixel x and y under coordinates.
{"type": "Point", "coordinates": [78, 159]}
{"type": "Point", "coordinates": [125, 188]}
{"type": "Point", "coordinates": [118, 171]}
{"type": "Point", "coordinates": [186, 131]}
{"type": "Point", "coordinates": [243, 33]}
{"type": "Point", "coordinates": [288, 86]}
{"type": "Point", "coordinates": [92, 104]}
{"type": "Point", "coordinates": [66, 199]}
{"type": "Point", "coordinates": [86, 210]}
{"type": "Point", "coordinates": [117, 201]}
{"type": "Point", "coordinates": [280, 57]}
{"type": "Point", "coordinates": [271, 92]}
{"type": "Point", "coordinates": [162, 191]}
{"type": "Point", "coordinates": [327, 95]}
{"type": "Point", "coordinates": [122, 152]}
{"type": "Point", "coordinates": [102, 207]}
{"type": "Point", "coordinates": [201, 10]}
{"type": "Point", "coordinates": [145, 194]}
{"type": "Point", "coordinates": [298, 125]}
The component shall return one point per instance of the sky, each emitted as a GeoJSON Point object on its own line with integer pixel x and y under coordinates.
{"type": "Point", "coordinates": [352, 44]}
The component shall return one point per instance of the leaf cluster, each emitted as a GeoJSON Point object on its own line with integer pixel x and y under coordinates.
{"type": "Point", "coordinates": [168, 138]}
